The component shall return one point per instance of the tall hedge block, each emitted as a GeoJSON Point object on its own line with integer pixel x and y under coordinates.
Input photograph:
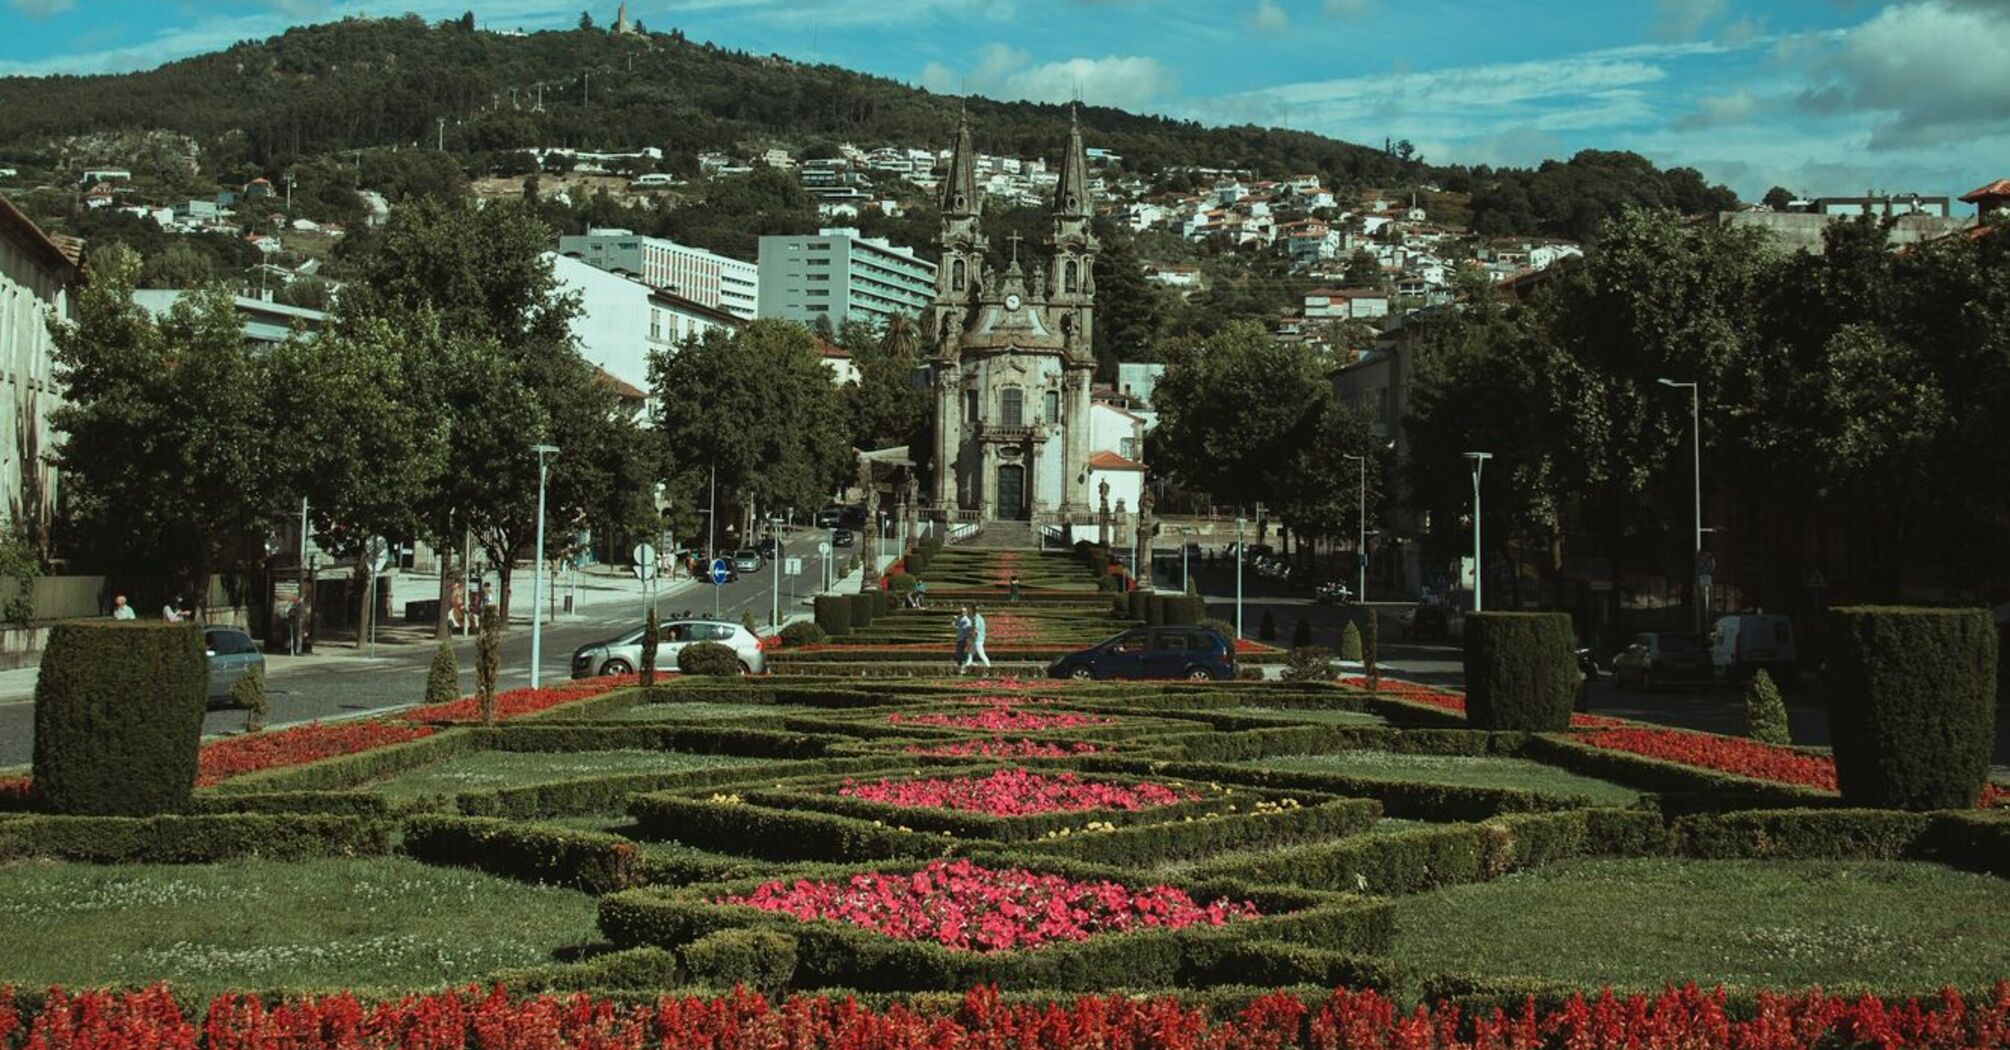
{"type": "Point", "coordinates": [833, 614]}
{"type": "Point", "coordinates": [1912, 705]}
{"type": "Point", "coordinates": [864, 608]}
{"type": "Point", "coordinates": [1520, 673]}
{"type": "Point", "coordinates": [118, 718]}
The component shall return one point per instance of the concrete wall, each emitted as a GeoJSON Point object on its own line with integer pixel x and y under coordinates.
{"type": "Point", "coordinates": [1797, 230]}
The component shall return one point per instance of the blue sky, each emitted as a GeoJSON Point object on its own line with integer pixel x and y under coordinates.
{"type": "Point", "coordinates": [1828, 97]}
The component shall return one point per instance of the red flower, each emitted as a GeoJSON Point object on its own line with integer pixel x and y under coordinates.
{"type": "Point", "coordinates": [1021, 748]}
{"type": "Point", "coordinates": [1004, 718]}
{"type": "Point", "coordinates": [1016, 792]}
{"type": "Point", "coordinates": [1725, 754]}
{"type": "Point", "coordinates": [517, 702]}
{"type": "Point", "coordinates": [252, 752]}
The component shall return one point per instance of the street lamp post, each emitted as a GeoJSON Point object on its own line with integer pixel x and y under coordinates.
{"type": "Point", "coordinates": [1361, 544]}
{"type": "Point", "coordinates": [1239, 521]}
{"type": "Point", "coordinates": [775, 570]}
{"type": "Point", "coordinates": [1696, 469]}
{"type": "Point", "coordinates": [1479, 464]}
{"type": "Point", "coordinates": [712, 537]}
{"type": "Point", "coordinates": [537, 568]}
{"type": "Point", "coordinates": [1185, 581]}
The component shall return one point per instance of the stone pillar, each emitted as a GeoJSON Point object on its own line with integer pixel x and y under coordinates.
{"type": "Point", "coordinates": [987, 482]}
{"type": "Point", "coordinates": [1103, 514]}
{"type": "Point", "coordinates": [1079, 433]}
{"type": "Point", "coordinates": [1144, 538]}
{"type": "Point", "coordinates": [913, 507]}
{"type": "Point", "coordinates": [948, 438]}
{"type": "Point", "coordinates": [869, 545]}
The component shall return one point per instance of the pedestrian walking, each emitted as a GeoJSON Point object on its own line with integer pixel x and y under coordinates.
{"type": "Point", "coordinates": [121, 610]}
{"type": "Point", "coordinates": [1012, 589]}
{"type": "Point", "coordinates": [963, 626]}
{"type": "Point", "coordinates": [977, 639]}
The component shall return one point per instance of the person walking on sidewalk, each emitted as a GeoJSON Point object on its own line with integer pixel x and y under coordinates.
{"type": "Point", "coordinates": [962, 639]}
{"type": "Point", "coordinates": [977, 638]}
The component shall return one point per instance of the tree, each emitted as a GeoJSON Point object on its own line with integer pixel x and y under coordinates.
{"type": "Point", "coordinates": [1236, 410]}
{"type": "Point", "coordinates": [883, 407]}
{"type": "Point", "coordinates": [1128, 314]}
{"type": "Point", "coordinates": [1778, 198]}
{"type": "Point", "coordinates": [585, 20]}
{"type": "Point", "coordinates": [1362, 270]}
{"type": "Point", "coordinates": [467, 22]}
{"type": "Point", "coordinates": [166, 425]}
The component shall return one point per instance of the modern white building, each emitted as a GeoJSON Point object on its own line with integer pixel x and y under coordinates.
{"type": "Point", "coordinates": [265, 322]}
{"type": "Point", "coordinates": [37, 276]}
{"type": "Point", "coordinates": [838, 275]}
{"type": "Point", "coordinates": [706, 278]}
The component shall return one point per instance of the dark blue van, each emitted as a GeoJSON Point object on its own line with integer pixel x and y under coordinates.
{"type": "Point", "coordinates": [1195, 653]}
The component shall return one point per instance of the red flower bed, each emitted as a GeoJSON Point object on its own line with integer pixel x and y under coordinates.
{"type": "Point", "coordinates": [471, 1018]}
{"type": "Point", "coordinates": [1010, 629]}
{"type": "Point", "coordinates": [1002, 719]}
{"type": "Point", "coordinates": [1021, 748]}
{"type": "Point", "coordinates": [1725, 754]}
{"type": "Point", "coordinates": [1010, 684]}
{"type": "Point", "coordinates": [1244, 645]}
{"type": "Point", "coordinates": [14, 791]}
{"type": "Point", "coordinates": [312, 742]}
{"type": "Point", "coordinates": [963, 906]}
{"type": "Point", "coordinates": [1424, 694]}
{"type": "Point", "coordinates": [517, 702]}
{"type": "Point", "coordinates": [1016, 793]}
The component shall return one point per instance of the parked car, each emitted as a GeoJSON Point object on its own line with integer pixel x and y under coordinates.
{"type": "Point", "coordinates": [830, 517]}
{"type": "Point", "coordinates": [1195, 653]}
{"type": "Point", "coordinates": [770, 547]}
{"type": "Point", "coordinates": [842, 538]}
{"type": "Point", "coordinates": [624, 654]}
{"type": "Point", "coordinates": [231, 655]}
{"type": "Point", "coordinates": [747, 560]}
{"type": "Point", "coordinates": [1746, 642]}
{"type": "Point", "coordinates": [1665, 658]}
{"type": "Point", "coordinates": [1333, 592]}
{"type": "Point", "coordinates": [702, 568]}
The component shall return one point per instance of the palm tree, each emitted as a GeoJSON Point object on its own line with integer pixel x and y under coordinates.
{"type": "Point", "coordinates": [898, 338]}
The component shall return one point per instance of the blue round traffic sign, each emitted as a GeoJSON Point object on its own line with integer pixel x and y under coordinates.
{"type": "Point", "coordinates": [720, 570]}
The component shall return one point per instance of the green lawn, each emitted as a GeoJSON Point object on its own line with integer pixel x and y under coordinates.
{"type": "Point", "coordinates": [1462, 770]}
{"type": "Point", "coordinates": [380, 922]}
{"type": "Point", "coordinates": [1783, 924]}
{"type": "Point", "coordinates": [489, 770]}
{"type": "Point", "coordinates": [1321, 715]}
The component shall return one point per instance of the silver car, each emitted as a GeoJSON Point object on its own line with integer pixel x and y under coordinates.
{"type": "Point", "coordinates": [232, 655]}
{"type": "Point", "coordinates": [624, 654]}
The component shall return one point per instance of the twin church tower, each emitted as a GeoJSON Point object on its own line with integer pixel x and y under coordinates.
{"type": "Point", "coordinates": [1014, 358]}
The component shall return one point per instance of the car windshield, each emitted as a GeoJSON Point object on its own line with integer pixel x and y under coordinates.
{"type": "Point", "coordinates": [1683, 643]}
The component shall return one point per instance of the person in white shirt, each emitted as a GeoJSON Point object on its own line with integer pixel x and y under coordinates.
{"type": "Point", "coordinates": [171, 613]}
{"type": "Point", "coordinates": [121, 610]}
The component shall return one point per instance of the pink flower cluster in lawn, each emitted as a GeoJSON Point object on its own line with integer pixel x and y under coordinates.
{"type": "Point", "coordinates": [1016, 793]}
{"type": "Point", "coordinates": [963, 906]}
{"type": "Point", "coordinates": [1021, 748]}
{"type": "Point", "coordinates": [1002, 718]}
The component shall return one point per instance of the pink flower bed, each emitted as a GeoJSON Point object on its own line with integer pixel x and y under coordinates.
{"type": "Point", "coordinates": [1016, 793]}
{"type": "Point", "coordinates": [962, 906]}
{"type": "Point", "coordinates": [1003, 718]}
{"type": "Point", "coordinates": [1448, 701]}
{"type": "Point", "coordinates": [1021, 748]}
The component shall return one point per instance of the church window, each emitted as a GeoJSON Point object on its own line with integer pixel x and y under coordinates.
{"type": "Point", "coordinates": [970, 405]}
{"type": "Point", "coordinates": [1012, 407]}
{"type": "Point", "coordinates": [1051, 406]}
{"type": "Point", "coordinates": [956, 276]}
{"type": "Point", "coordinates": [1068, 282]}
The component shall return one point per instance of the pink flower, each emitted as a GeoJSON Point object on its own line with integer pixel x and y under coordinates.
{"type": "Point", "coordinates": [1015, 793]}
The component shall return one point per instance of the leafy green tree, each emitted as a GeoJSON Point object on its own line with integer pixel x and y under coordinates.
{"type": "Point", "coordinates": [1236, 411]}
{"type": "Point", "coordinates": [1778, 198]}
{"type": "Point", "coordinates": [166, 451]}
{"type": "Point", "coordinates": [1129, 317]}
{"type": "Point", "coordinates": [1362, 270]}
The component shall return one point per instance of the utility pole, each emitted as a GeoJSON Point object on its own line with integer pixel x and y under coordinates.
{"type": "Point", "coordinates": [443, 135]}
{"type": "Point", "coordinates": [1479, 464]}
{"type": "Point", "coordinates": [537, 570]}
{"type": "Point", "coordinates": [300, 622]}
{"type": "Point", "coordinates": [712, 541]}
{"type": "Point", "coordinates": [1239, 522]}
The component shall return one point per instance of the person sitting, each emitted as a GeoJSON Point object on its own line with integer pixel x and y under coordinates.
{"type": "Point", "coordinates": [919, 595]}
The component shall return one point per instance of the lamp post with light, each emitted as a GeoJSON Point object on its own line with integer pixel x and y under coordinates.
{"type": "Point", "coordinates": [537, 568]}
{"type": "Point", "coordinates": [1479, 464]}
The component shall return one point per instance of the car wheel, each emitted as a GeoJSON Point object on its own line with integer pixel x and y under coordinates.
{"type": "Point", "coordinates": [1198, 674]}
{"type": "Point", "coordinates": [1082, 674]}
{"type": "Point", "coordinates": [615, 667]}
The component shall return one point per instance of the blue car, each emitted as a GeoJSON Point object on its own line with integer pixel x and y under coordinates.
{"type": "Point", "coordinates": [1193, 653]}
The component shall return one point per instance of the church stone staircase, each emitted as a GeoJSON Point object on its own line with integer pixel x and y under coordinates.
{"type": "Point", "coordinates": [1004, 535]}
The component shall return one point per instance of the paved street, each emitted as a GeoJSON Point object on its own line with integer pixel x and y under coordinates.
{"type": "Point", "coordinates": [339, 681]}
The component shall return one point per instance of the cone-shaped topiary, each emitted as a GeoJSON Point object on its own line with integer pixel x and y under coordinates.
{"type": "Point", "coordinates": [118, 717]}
{"type": "Point", "coordinates": [1350, 642]}
{"type": "Point", "coordinates": [1765, 712]}
{"type": "Point", "coordinates": [652, 636]}
{"type": "Point", "coordinates": [248, 693]}
{"type": "Point", "coordinates": [488, 663]}
{"type": "Point", "coordinates": [1267, 629]}
{"type": "Point", "coordinates": [1301, 636]}
{"type": "Point", "coordinates": [443, 679]}
{"type": "Point", "coordinates": [1912, 705]}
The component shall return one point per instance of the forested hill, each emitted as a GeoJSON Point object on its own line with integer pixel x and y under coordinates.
{"type": "Point", "coordinates": [367, 83]}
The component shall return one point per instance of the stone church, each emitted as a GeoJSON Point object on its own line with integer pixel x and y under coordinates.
{"type": "Point", "coordinates": [1013, 365]}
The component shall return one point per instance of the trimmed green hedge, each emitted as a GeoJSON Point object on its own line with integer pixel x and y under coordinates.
{"type": "Point", "coordinates": [647, 969]}
{"type": "Point", "coordinates": [1405, 799]}
{"type": "Point", "coordinates": [1802, 834]}
{"type": "Point", "coordinates": [190, 839]}
{"type": "Point", "coordinates": [331, 803]}
{"type": "Point", "coordinates": [588, 860]}
{"type": "Point", "coordinates": [764, 960]}
{"type": "Point", "coordinates": [736, 827]}
{"type": "Point", "coordinates": [1912, 705]}
{"type": "Point", "coordinates": [1519, 671]}
{"type": "Point", "coordinates": [118, 717]}
{"type": "Point", "coordinates": [574, 797]}
{"type": "Point", "coordinates": [347, 771]}
{"type": "Point", "coordinates": [1169, 842]}
{"type": "Point", "coordinates": [1972, 840]}
{"type": "Point", "coordinates": [1682, 789]}
{"type": "Point", "coordinates": [833, 614]}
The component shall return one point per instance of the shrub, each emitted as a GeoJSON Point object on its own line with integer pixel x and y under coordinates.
{"type": "Point", "coordinates": [1249, 674]}
{"type": "Point", "coordinates": [708, 658]}
{"type": "Point", "coordinates": [1301, 635]}
{"type": "Point", "coordinates": [833, 614]}
{"type": "Point", "coordinates": [1108, 583]}
{"type": "Point", "coordinates": [1268, 629]}
{"type": "Point", "coordinates": [763, 960]}
{"type": "Point", "coordinates": [488, 663]}
{"type": "Point", "coordinates": [901, 583]}
{"type": "Point", "coordinates": [118, 718]}
{"type": "Point", "coordinates": [1371, 641]}
{"type": "Point", "coordinates": [1912, 705]}
{"type": "Point", "coordinates": [1309, 663]}
{"type": "Point", "coordinates": [1765, 712]}
{"type": "Point", "coordinates": [443, 679]}
{"type": "Point", "coordinates": [1350, 642]}
{"type": "Point", "coordinates": [864, 608]}
{"type": "Point", "coordinates": [1155, 607]}
{"type": "Point", "coordinates": [748, 621]}
{"type": "Point", "coordinates": [588, 860]}
{"type": "Point", "coordinates": [1220, 627]}
{"type": "Point", "coordinates": [652, 636]}
{"type": "Point", "coordinates": [1520, 674]}
{"type": "Point", "coordinates": [248, 693]}
{"type": "Point", "coordinates": [802, 632]}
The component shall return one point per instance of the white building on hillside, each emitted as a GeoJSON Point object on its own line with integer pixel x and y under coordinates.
{"type": "Point", "coordinates": [729, 284]}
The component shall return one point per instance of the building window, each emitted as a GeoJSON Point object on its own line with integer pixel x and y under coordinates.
{"type": "Point", "coordinates": [1012, 407]}
{"type": "Point", "coordinates": [1051, 406]}
{"type": "Point", "coordinates": [956, 276]}
{"type": "Point", "coordinates": [970, 406]}
{"type": "Point", "coordinates": [1128, 448]}
{"type": "Point", "coordinates": [1070, 278]}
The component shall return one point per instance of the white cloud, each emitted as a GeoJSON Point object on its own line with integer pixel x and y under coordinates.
{"type": "Point", "coordinates": [41, 8]}
{"type": "Point", "coordinates": [1007, 73]}
{"type": "Point", "coordinates": [1269, 17]}
{"type": "Point", "coordinates": [1714, 110]}
{"type": "Point", "coordinates": [1934, 71]}
{"type": "Point", "coordinates": [1683, 19]}
{"type": "Point", "coordinates": [1348, 8]}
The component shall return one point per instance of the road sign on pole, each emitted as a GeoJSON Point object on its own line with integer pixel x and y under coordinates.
{"type": "Point", "coordinates": [792, 566]}
{"type": "Point", "coordinates": [645, 562]}
{"type": "Point", "coordinates": [720, 571]}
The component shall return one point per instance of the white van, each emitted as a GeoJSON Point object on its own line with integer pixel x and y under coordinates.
{"type": "Point", "coordinates": [1746, 642]}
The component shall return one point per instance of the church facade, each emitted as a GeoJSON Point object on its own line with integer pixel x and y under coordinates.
{"type": "Point", "coordinates": [1013, 363]}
